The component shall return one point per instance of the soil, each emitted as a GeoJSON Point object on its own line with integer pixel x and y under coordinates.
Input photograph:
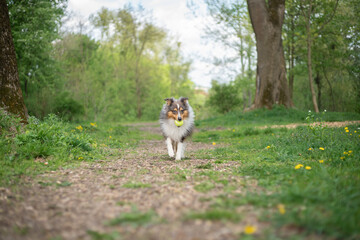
{"type": "Point", "coordinates": [67, 203]}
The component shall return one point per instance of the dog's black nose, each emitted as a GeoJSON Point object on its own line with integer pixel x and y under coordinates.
{"type": "Point", "coordinates": [179, 118]}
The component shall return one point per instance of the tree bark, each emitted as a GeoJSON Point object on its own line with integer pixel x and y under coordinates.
{"type": "Point", "coordinates": [291, 57]}
{"type": "Point", "coordinates": [271, 84]}
{"type": "Point", "coordinates": [318, 83]}
{"type": "Point", "coordinates": [11, 98]}
{"type": "Point", "coordinates": [309, 62]}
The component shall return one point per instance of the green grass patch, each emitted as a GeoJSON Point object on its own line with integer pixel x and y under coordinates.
{"type": "Point", "coordinates": [136, 185]}
{"type": "Point", "coordinates": [204, 166]}
{"type": "Point", "coordinates": [204, 187]}
{"type": "Point", "coordinates": [103, 236]}
{"type": "Point", "coordinates": [45, 145]}
{"type": "Point", "coordinates": [313, 171]}
{"type": "Point", "coordinates": [278, 115]}
{"type": "Point", "coordinates": [135, 218]}
{"type": "Point", "coordinates": [215, 215]}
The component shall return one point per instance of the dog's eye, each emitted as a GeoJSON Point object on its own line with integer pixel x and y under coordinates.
{"type": "Point", "coordinates": [174, 111]}
{"type": "Point", "coordinates": [182, 111]}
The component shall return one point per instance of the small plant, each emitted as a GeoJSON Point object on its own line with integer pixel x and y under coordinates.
{"type": "Point", "coordinates": [204, 187]}
{"type": "Point", "coordinates": [215, 214]}
{"type": "Point", "coordinates": [135, 218]}
{"type": "Point", "coordinates": [136, 185]}
{"type": "Point", "coordinates": [204, 166]}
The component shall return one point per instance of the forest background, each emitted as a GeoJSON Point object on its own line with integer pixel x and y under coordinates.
{"type": "Point", "coordinates": [126, 74]}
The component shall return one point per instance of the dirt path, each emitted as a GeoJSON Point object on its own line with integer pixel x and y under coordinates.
{"type": "Point", "coordinates": [67, 203]}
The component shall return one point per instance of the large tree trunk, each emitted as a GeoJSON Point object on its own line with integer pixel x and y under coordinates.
{"type": "Point", "coordinates": [271, 84]}
{"type": "Point", "coordinates": [11, 98]}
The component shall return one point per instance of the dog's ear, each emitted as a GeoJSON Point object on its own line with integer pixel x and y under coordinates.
{"type": "Point", "coordinates": [184, 100]}
{"type": "Point", "coordinates": [169, 101]}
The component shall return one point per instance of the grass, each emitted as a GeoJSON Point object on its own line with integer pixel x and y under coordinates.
{"type": "Point", "coordinates": [321, 196]}
{"type": "Point", "coordinates": [215, 215]}
{"type": "Point", "coordinates": [136, 185]}
{"type": "Point", "coordinates": [45, 145]}
{"type": "Point", "coordinates": [278, 115]}
{"type": "Point", "coordinates": [135, 218]}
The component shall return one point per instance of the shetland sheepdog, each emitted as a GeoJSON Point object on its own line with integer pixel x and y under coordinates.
{"type": "Point", "coordinates": [175, 133]}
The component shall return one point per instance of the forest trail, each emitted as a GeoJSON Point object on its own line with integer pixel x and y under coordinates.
{"type": "Point", "coordinates": [143, 182]}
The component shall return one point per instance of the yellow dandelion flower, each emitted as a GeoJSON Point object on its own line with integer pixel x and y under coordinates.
{"type": "Point", "coordinates": [299, 166]}
{"type": "Point", "coordinates": [249, 230]}
{"type": "Point", "coordinates": [80, 158]}
{"type": "Point", "coordinates": [342, 158]}
{"type": "Point", "coordinates": [233, 130]}
{"type": "Point", "coordinates": [350, 152]}
{"type": "Point", "coordinates": [93, 124]}
{"type": "Point", "coordinates": [321, 148]}
{"type": "Point", "coordinates": [346, 130]}
{"type": "Point", "coordinates": [355, 131]}
{"type": "Point", "coordinates": [310, 149]}
{"type": "Point", "coordinates": [321, 161]}
{"type": "Point", "coordinates": [268, 147]}
{"type": "Point", "coordinates": [307, 167]}
{"type": "Point", "coordinates": [281, 208]}
{"type": "Point", "coordinates": [110, 137]}
{"type": "Point", "coordinates": [79, 127]}
{"type": "Point", "coordinates": [214, 143]}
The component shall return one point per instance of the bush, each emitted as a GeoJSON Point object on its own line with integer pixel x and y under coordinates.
{"type": "Point", "coordinates": [224, 97]}
{"type": "Point", "coordinates": [67, 108]}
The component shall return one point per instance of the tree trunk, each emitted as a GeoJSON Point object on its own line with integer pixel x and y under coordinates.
{"type": "Point", "coordinates": [331, 90]}
{"type": "Point", "coordinates": [318, 83]}
{"type": "Point", "coordinates": [291, 58]}
{"type": "Point", "coordinates": [271, 84]}
{"type": "Point", "coordinates": [11, 98]}
{"type": "Point", "coordinates": [309, 62]}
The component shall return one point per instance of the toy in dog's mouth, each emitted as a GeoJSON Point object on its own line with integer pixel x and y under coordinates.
{"type": "Point", "coordinates": [179, 123]}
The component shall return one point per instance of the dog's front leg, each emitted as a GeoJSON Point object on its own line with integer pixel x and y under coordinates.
{"type": "Point", "coordinates": [169, 147]}
{"type": "Point", "coordinates": [179, 151]}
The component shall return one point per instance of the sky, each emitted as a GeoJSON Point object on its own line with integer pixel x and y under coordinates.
{"type": "Point", "coordinates": [175, 17]}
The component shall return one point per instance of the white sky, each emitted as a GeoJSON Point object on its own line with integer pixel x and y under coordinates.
{"type": "Point", "coordinates": [174, 16]}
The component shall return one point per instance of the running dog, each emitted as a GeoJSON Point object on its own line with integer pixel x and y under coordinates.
{"type": "Point", "coordinates": [177, 123]}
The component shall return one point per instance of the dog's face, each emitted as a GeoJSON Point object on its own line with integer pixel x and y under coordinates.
{"type": "Point", "coordinates": [177, 109]}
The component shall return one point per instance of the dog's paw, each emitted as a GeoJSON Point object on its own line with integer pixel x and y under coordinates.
{"type": "Point", "coordinates": [171, 154]}
{"type": "Point", "coordinates": [178, 158]}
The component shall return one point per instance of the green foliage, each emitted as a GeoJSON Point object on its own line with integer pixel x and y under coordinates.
{"type": "Point", "coordinates": [128, 73]}
{"type": "Point", "coordinates": [66, 107]}
{"type": "Point", "coordinates": [224, 97]}
{"type": "Point", "coordinates": [335, 63]}
{"type": "Point", "coordinates": [8, 123]}
{"type": "Point", "coordinates": [35, 26]}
